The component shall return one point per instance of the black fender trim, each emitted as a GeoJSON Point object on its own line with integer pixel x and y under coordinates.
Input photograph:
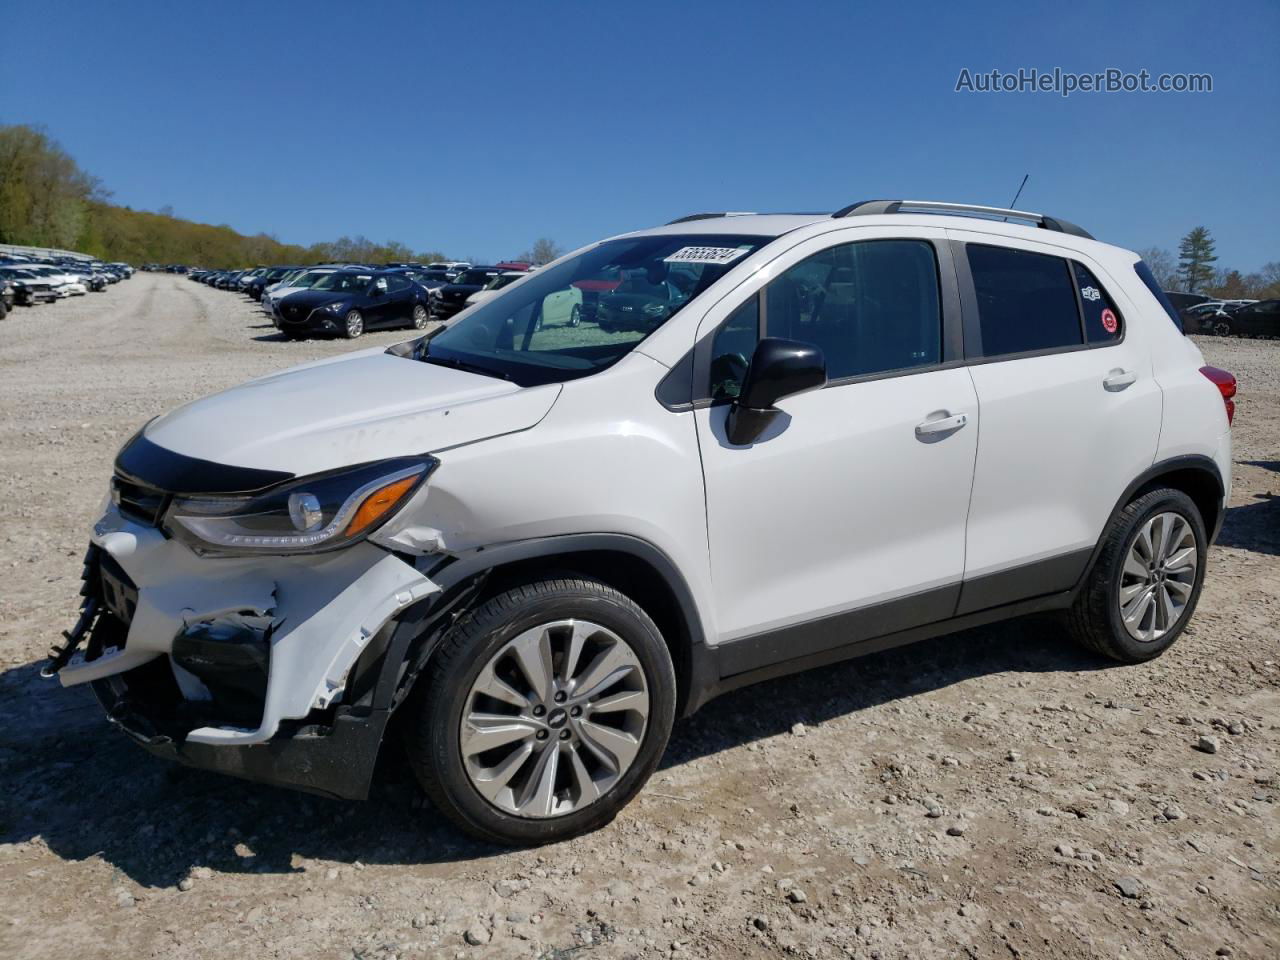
{"type": "Point", "coordinates": [459, 579]}
{"type": "Point", "coordinates": [1196, 462]}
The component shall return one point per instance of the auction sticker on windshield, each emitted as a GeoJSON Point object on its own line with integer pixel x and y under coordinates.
{"type": "Point", "coordinates": [720, 255]}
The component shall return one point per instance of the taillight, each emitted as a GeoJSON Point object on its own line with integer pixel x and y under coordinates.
{"type": "Point", "coordinates": [1226, 385]}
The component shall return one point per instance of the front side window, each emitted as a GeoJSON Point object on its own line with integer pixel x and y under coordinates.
{"type": "Point", "coordinates": [397, 283]}
{"type": "Point", "coordinates": [585, 313]}
{"type": "Point", "coordinates": [872, 306]}
{"type": "Point", "coordinates": [1026, 301]}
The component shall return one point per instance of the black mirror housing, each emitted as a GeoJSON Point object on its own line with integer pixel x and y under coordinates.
{"type": "Point", "coordinates": [779, 369]}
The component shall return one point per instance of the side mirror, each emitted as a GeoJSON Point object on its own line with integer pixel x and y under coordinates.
{"type": "Point", "coordinates": [779, 369]}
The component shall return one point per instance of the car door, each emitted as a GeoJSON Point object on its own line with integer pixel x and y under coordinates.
{"type": "Point", "coordinates": [846, 518]}
{"type": "Point", "coordinates": [377, 300]}
{"type": "Point", "coordinates": [399, 300]}
{"type": "Point", "coordinates": [1070, 410]}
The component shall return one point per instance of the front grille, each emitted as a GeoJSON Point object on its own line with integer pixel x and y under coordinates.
{"type": "Point", "coordinates": [140, 503]}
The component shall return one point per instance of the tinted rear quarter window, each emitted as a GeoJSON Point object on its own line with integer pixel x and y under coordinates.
{"type": "Point", "coordinates": [1026, 301]}
{"type": "Point", "coordinates": [1102, 322]}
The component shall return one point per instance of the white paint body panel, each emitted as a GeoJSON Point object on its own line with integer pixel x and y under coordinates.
{"type": "Point", "coordinates": [1057, 448]}
{"type": "Point", "coordinates": [366, 406]}
{"type": "Point", "coordinates": [839, 505]}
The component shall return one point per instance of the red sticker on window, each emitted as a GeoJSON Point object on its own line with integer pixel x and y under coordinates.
{"type": "Point", "coordinates": [1109, 321]}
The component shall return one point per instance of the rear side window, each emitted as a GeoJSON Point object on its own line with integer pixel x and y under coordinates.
{"type": "Point", "coordinates": [1148, 278]}
{"type": "Point", "coordinates": [1026, 301]}
{"type": "Point", "coordinates": [1102, 323]}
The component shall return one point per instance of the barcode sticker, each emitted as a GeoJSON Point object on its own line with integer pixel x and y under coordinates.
{"type": "Point", "coordinates": [716, 255]}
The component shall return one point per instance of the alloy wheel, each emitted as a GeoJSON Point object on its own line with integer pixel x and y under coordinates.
{"type": "Point", "coordinates": [575, 315]}
{"type": "Point", "coordinates": [1222, 328]}
{"type": "Point", "coordinates": [1158, 577]}
{"type": "Point", "coordinates": [420, 316]}
{"type": "Point", "coordinates": [355, 324]}
{"type": "Point", "coordinates": [554, 719]}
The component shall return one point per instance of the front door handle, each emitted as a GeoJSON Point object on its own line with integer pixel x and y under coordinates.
{"type": "Point", "coordinates": [940, 424]}
{"type": "Point", "coordinates": [1118, 379]}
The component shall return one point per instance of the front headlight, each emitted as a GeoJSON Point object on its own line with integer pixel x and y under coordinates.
{"type": "Point", "coordinates": [327, 511]}
{"type": "Point", "coordinates": [336, 307]}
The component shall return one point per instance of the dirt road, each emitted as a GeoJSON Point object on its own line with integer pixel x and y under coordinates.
{"type": "Point", "coordinates": [997, 793]}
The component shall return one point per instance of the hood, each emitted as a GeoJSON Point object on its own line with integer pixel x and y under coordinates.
{"type": "Point", "coordinates": [364, 406]}
{"type": "Point", "coordinates": [319, 298]}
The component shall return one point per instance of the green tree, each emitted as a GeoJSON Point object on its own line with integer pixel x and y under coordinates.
{"type": "Point", "coordinates": [1196, 259]}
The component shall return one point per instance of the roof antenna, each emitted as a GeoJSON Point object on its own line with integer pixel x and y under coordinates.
{"type": "Point", "coordinates": [1013, 204]}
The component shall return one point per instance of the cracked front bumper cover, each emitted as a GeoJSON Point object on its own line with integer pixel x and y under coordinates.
{"type": "Point", "coordinates": [334, 760]}
{"type": "Point", "coordinates": [325, 609]}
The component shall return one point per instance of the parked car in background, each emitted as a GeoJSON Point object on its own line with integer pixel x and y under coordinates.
{"type": "Point", "coordinates": [490, 289]}
{"type": "Point", "coordinates": [1258, 319]}
{"type": "Point", "coordinates": [560, 309]}
{"type": "Point", "coordinates": [1203, 316]}
{"type": "Point", "coordinates": [451, 268]}
{"type": "Point", "coordinates": [265, 278]}
{"type": "Point", "coordinates": [349, 302]}
{"type": "Point", "coordinates": [29, 288]}
{"type": "Point", "coordinates": [303, 279]}
{"type": "Point", "coordinates": [452, 297]}
{"type": "Point", "coordinates": [1181, 301]}
{"type": "Point", "coordinates": [7, 297]}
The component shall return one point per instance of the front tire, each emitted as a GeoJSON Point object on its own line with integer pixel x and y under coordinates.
{"type": "Point", "coordinates": [544, 712]}
{"type": "Point", "coordinates": [420, 317]}
{"type": "Point", "coordinates": [575, 315]}
{"type": "Point", "coordinates": [1222, 328]}
{"type": "Point", "coordinates": [1146, 581]}
{"type": "Point", "coordinates": [353, 326]}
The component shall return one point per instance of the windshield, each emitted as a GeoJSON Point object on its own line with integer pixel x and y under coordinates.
{"type": "Point", "coordinates": [343, 281]}
{"type": "Point", "coordinates": [503, 280]}
{"type": "Point", "coordinates": [307, 278]}
{"type": "Point", "coordinates": [475, 278]}
{"type": "Point", "coordinates": [587, 312]}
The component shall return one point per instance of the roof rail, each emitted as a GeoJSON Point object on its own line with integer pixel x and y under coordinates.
{"type": "Point", "coordinates": [710, 216]}
{"type": "Point", "coordinates": [873, 207]}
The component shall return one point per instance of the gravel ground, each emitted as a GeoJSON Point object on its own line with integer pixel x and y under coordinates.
{"type": "Point", "coordinates": [994, 793]}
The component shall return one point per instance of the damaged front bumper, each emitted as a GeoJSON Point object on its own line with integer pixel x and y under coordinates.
{"type": "Point", "coordinates": [270, 668]}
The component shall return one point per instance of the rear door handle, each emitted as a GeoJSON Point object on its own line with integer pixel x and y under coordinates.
{"type": "Point", "coordinates": [1119, 379]}
{"type": "Point", "coordinates": [939, 424]}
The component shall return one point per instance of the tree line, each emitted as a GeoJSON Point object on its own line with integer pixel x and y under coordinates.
{"type": "Point", "coordinates": [1194, 271]}
{"type": "Point", "coordinates": [46, 200]}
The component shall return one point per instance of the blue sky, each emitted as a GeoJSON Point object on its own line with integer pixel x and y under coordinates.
{"type": "Point", "coordinates": [475, 129]}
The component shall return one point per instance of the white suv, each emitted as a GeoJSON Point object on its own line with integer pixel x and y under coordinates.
{"type": "Point", "coordinates": [773, 442]}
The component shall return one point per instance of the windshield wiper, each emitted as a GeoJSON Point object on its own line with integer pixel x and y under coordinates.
{"type": "Point", "coordinates": [456, 364]}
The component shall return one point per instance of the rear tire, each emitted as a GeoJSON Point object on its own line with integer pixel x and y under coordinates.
{"type": "Point", "coordinates": [456, 750]}
{"type": "Point", "coordinates": [1137, 599]}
